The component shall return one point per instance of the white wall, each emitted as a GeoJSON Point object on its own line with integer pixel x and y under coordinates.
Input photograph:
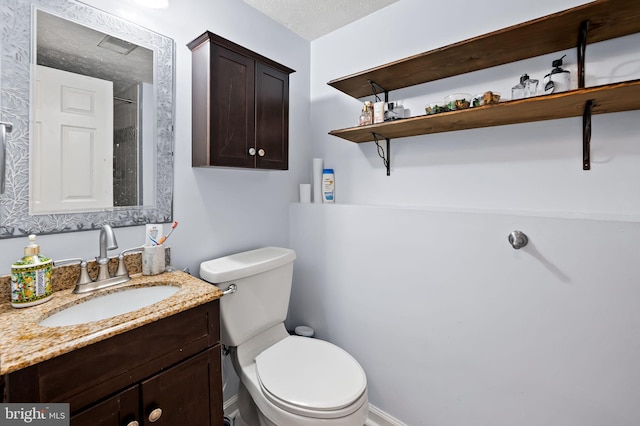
{"type": "Point", "coordinates": [219, 210]}
{"type": "Point", "coordinates": [454, 327]}
{"type": "Point", "coordinates": [413, 273]}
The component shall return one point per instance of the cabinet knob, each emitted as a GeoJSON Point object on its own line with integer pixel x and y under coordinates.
{"type": "Point", "coordinates": [133, 423]}
{"type": "Point", "coordinates": [155, 415]}
{"type": "Point", "coordinates": [252, 151]}
{"type": "Point", "coordinates": [261, 152]}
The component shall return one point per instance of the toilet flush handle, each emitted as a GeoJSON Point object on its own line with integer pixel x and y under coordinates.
{"type": "Point", "coordinates": [230, 290]}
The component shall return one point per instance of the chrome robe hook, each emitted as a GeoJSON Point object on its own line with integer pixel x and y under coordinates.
{"type": "Point", "coordinates": [518, 239]}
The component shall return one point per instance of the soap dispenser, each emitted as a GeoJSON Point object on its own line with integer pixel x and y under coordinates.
{"type": "Point", "coordinates": [31, 277]}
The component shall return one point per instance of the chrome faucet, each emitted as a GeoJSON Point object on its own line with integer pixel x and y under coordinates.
{"type": "Point", "coordinates": [107, 242]}
{"type": "Point", "coordinates": [104, 279]}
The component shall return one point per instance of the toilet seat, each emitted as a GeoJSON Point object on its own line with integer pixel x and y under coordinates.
{"type": "Point", "coordinates": [310, 377]}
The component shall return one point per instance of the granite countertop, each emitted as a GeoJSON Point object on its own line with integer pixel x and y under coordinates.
{"type": "Point", "coordinates": [23, 342]}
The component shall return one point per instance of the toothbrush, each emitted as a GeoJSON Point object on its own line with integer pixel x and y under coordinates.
{"type": "Point", "coordinates": [173, 226]}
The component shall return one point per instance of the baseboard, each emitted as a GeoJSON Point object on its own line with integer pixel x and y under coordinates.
{"type": "Point", "coordinates": [230, 407]}
{"type": "Point", "coordinates": [376, 417]}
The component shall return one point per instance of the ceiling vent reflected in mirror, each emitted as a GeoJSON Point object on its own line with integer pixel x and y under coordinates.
{"type": "Point", "coordinates": [116, 45]}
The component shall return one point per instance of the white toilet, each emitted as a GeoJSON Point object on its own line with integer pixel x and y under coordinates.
{"type": "Point", "coordinates": [284, 380]}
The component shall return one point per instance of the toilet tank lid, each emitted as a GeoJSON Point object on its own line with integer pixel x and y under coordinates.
{"type": "Point", "coordinates": [245, 264]}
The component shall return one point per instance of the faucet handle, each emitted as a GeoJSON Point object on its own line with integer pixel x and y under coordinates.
{"type": "Point", "coordinates": [122, 268]}
{"type": "Point", "coordinates": [68, 261]}
{"type": "Point", "coordinates": [84, 277]}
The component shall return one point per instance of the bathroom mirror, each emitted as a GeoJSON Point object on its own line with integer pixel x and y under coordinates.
{"type": "Point", "coordinates": [130, 157]}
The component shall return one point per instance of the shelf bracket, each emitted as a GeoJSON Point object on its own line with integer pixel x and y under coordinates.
{"type": "Point", "coordinates": [582, 50]}
{"type": "Point", "coordinates": [586, 135]}
{"type": "Point", "coordinates": [376, 88]}
{"type": "Point", "coordinates": [385, 155]}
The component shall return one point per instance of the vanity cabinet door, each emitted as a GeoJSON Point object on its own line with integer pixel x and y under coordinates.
{"type": "Point", "coordinates": [232, 100]}
{"type": "Point", "coordinates": [119, 410]}
{"type": "Point", "coordinates": [272, 118]}
{"type": "Point", "coordinates": [189, 393]}
{"type": "Point", "coordinates": [186, 394]}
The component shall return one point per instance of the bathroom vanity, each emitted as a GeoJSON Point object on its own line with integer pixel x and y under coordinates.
{"type": "Point", "coordinates": [159, 364]}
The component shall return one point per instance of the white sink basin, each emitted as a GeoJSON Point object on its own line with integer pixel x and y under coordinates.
{"type": "Point", "coordinates": [110, 305]}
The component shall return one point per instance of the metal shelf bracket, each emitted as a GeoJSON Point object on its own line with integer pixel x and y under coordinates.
{"type": "Point", "coordinates": [376, 88]}
{"type": "Point", "coordinates": [384, 154]}
{"type": "Point", "coordinates": [582, 50]}
{"type": "Point", "coordinates": [586, 136]}
{"type": "Point", "coordinates": [586, 116]}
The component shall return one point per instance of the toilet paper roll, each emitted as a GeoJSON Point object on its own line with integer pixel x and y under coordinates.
{"type": "Point", "coordinates": [305, 192]}
{"type": "Point", "coordinates": [317, 180]}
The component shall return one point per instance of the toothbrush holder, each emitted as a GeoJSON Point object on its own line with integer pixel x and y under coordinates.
{"type": "Point", "coordinates": [153, 260]}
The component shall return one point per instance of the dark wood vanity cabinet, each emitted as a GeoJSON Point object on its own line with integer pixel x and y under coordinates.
{"type": "Point", "coordinates": [121, 409]}
{"type": "Point", "coordinates": [240, 113]}
{"type": "Point", "coordinates": [168, 371]}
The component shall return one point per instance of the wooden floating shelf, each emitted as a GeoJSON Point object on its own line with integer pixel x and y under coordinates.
{"type": "Point", "coordinates": [607, 19]}
{"type": "Point", "coordinates": [607, 98]}
{"type": "Point", "coordinates": [577, 27]}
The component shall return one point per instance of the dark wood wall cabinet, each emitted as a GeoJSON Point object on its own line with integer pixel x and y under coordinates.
{"type": "Point", "coordinates": [240, 106]}
{"type": "Point", "coordinates": [577, 27]}
{"type": "Point", "coordinates": [166, 373]}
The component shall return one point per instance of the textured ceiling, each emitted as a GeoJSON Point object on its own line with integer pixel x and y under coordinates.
{"type": "Point", "coordinates": [314, 18]}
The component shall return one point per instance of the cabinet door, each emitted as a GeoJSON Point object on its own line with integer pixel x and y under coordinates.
{"type": "Point", "coordinates": [120, 410]}
{"type": "Point", "coordinates": [272, 118]}
{"type": "Point", "coordinates": [232, 103]}
{"type": "Point", "coordinates": [188, 394]}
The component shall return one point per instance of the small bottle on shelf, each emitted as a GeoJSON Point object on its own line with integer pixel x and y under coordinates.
{"type": "Point", "coordinates": [531, 88]}
{"type": "Point", "coordinates": [519, 90]}
{"type": "Point", "coordinates": [366, 117]}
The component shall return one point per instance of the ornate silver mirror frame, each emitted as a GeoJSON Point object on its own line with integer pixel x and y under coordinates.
{"type": "Point", "coordinates": [15, 66]}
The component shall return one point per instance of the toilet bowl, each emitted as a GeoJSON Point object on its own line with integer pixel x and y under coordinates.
{"type": "Point", "coordinates": [284, 380]}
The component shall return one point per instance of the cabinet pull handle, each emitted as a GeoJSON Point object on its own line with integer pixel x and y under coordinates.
{"type": "Point", "coordinates": [261, 152]}
{"type": "Point", "coordinates": [133, 423]}
{"type": "Point", "coordinates": [155, 415]}
{"type": "Point", "coordinates": [252, 151]}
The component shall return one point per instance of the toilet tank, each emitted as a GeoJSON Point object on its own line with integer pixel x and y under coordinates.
{"type": "Point", "coordinates": [263, 279]}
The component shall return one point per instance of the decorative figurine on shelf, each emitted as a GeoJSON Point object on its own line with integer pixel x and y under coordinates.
{"type": "Point", "coordinates": [558, 80]}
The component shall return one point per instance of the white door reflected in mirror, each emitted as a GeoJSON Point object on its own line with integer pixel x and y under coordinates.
{"type": "Point", "coordinates": [72, 167]}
